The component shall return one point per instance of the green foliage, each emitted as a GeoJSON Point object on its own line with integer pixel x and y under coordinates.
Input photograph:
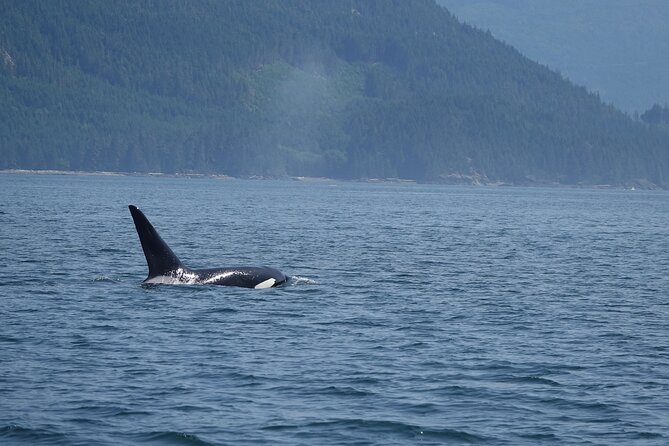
{"type": "Point", "coordinates": [617, 47]}
{"type": "Point", "coordinates": [368, 88]}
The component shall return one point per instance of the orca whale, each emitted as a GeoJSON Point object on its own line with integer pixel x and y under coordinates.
{"type": "Point", "coordinates": [165, 266]}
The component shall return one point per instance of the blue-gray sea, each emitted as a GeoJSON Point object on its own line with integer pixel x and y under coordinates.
{"type": "Point", "coordinates": [415, 314]}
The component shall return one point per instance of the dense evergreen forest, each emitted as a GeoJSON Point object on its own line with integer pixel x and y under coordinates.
{"type": "Point", "coordinates": [615, 47]}
{"type": "Point", "coordinates": [346, 89]}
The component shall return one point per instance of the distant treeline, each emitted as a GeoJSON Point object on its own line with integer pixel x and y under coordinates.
{"type": "Point", "coordinates": [347, 89]}
{"type": "Point", "coordinates": [656, 115]}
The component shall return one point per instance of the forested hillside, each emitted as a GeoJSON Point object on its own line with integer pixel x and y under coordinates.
{"type": "Point", "coordinates": [615, 47]}
{"type": "Point", "coordinates": [347, 89]}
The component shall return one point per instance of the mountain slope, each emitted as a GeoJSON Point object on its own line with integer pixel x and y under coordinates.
{"type": "Point", "coordinates": [615, 47]}
{"type": "Point", "coordinates": [367, 88]}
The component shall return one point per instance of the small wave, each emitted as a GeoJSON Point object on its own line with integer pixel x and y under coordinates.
{"type": "Point", "coordinates": [381, 427]}
{"type": "Point", "coordinates": [9, 339]}
{"type": "Point", "coordinates": [540, 437]}
{"type": "Point", "coordinates": [112, 250]}
{"type": "Point", "coordinates": [106, 279]}
{"type": "Point", "coordinates": [352, 322]}
{"type": "Point", "coordinates": [223, 310]}
{"type": "Point", "coordinates": [533, 380]}
{"type": "Point", "coordinates": [32, 436]}
{"type": "Point", "coordinates": [106, 411]}
{"type": "Point", "coordinates": [80, 341]}
{"type": "Point", "coordinates": [299, 280]}
{"type": "Point", "coordinates": [596, 408]}
{"type": "Point", "coordinates": [247, 379]}
{"type": "Point", "coordinates": [172, 437]}
{"type": "Point", "coordinates": [343, 391]}
{"type": "Point", "coordinates": [646, 435]}
{"type": "Point", "coordinates": [149, 286]}
{"type": "Point", "coordinates": [542, 380]}
{"type": "Point", "coordinates": [105, 327]}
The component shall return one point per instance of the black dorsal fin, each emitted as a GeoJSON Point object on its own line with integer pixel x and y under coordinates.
{"type": "Point", "coordinates": [159, 256]}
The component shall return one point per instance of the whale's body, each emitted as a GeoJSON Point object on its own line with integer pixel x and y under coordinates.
{"type": "Point", "coordinates": [165, 266]}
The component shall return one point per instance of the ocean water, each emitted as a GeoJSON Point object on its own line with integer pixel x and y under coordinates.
{"type": "Point", "coordinates": [415, 314]}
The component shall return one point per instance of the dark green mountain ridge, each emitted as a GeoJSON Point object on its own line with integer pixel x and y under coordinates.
{"type": "Point", "coordinates": [617, 48]}
{"type": "Point", "coordinates": [347, 89]}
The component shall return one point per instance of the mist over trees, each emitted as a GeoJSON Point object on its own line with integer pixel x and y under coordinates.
{"type": "Point", "coordinates": [360, 89]}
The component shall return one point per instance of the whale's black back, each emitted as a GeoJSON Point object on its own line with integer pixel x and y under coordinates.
{"type": "Point", "coordinates": [165, 266]}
